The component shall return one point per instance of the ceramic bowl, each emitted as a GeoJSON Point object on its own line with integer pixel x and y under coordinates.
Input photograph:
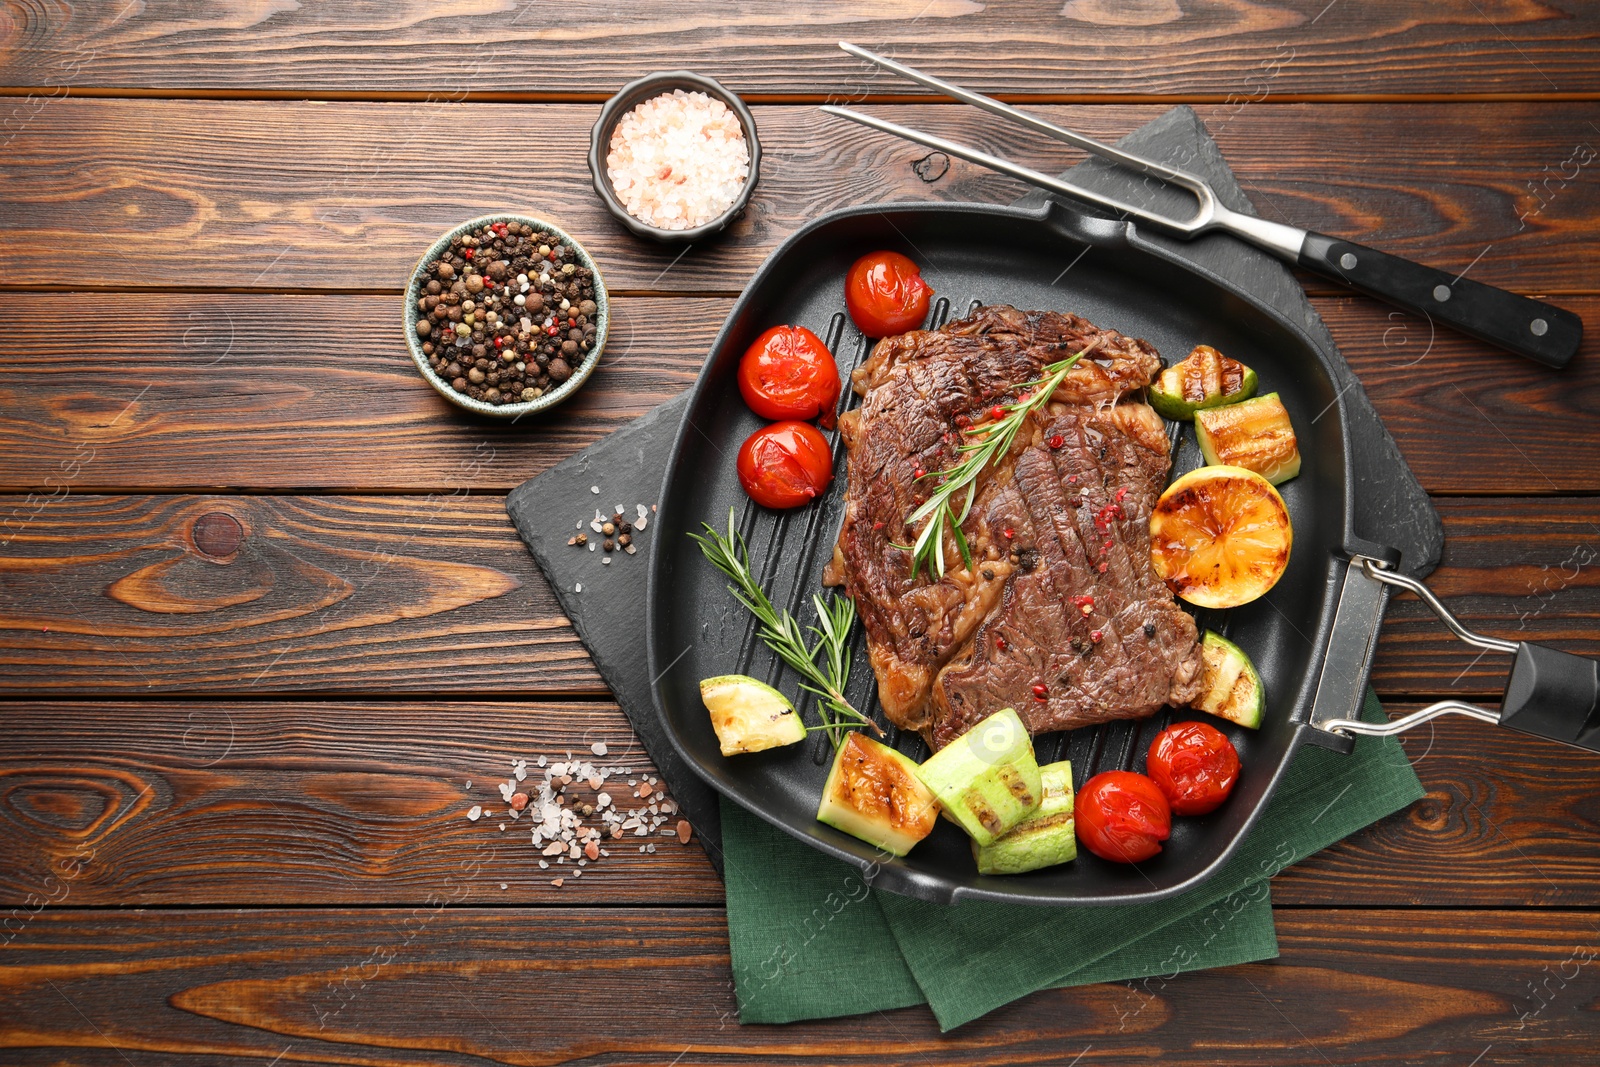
{"type": "Point", "coordinates": [580, 373]}
{"type": "Point", "coordinates": [632, 95]}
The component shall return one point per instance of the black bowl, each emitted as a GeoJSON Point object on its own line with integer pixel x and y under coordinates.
{"type": "Point", "coordinates": [637, 92]}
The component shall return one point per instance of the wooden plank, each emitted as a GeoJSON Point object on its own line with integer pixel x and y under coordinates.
{"type": "Point", "coordinates": [416, 594]}
{"type": "Point", "coordinates": [1082, 48]}
{"type": "Point", "coordinates": [299, 803]}
{"type": "Point", "coordinates": [1471, 419]}
{"type": "Point", "coordinates": [200, 391]}
{"type": "Point", "coordinates": [1506, 822]}
{"type": "Point", "coordinates": [217, 194]}
{"type": "Point", "coordinates": [192, 390]}
{"type": "Point", "coordinates": [315, 803]}
{"type": "Point", "coordinates": [627, 986]}
{"type": "Point", "coordinates": [1521, 570]}
{"type": "Point", "coordinates": [435, 594]}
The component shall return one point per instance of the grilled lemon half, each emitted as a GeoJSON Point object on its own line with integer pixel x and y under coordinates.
{"type": "Point", "coordinates": [1220, 536]}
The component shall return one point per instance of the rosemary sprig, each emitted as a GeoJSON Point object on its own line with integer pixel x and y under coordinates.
{"type": "Point", "coordinates": [781, 633]}
{"type": "Point", "coordinates": [989, 440]}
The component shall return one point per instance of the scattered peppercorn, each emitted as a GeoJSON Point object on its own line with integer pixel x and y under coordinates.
{"type": "Point", "coordinates": [615, 534]}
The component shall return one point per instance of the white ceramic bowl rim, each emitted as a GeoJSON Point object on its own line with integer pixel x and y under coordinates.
{"type": "Point", "coordinates": [580, 374]}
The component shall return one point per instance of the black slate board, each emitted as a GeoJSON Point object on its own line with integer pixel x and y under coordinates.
{"type": "Point", "coordinates": [629, 466]}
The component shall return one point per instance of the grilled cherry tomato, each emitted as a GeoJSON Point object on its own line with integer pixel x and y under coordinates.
{"type": "Point", "coordinates": [1122, 817]}
{"type": "Point", "coordinates": [785, 465]}
{"type": "Point", "coordinates": [1195, 765]}
{"type": "Point", "coordinates": [788, 373]}
{"type": "Point", "coordinates": [886, 294]}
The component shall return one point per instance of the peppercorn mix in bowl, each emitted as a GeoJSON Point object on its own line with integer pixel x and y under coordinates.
{"type": "Point", "coordinates": [506, 315]}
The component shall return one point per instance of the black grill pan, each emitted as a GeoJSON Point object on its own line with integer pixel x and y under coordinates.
{"type": "Point", "coordinates": [1045, 258]}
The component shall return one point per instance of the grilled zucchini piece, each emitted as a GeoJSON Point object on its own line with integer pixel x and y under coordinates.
{"type": "Point", "coordinates": [1205, 379]}
{"type": "Point", "coordinates": [1045, 838]}
{"type": "Point", "coordinates": [987, 779]}
{"type": "Point", "coordinates": [1231, 688]}
{"type": "Point", "coordinates": [749, 716]}
{"type": "Point", "coordinates": [873, 793]}
{"type": "Point", "coordinates": [1255, 434]}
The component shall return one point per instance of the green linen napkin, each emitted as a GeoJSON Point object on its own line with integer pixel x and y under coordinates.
{"type": "Point", "coordinates": [810, 940]}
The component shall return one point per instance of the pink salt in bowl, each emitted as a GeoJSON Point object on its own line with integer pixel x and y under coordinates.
{"type": "Point", "coordinates": [630, 97]}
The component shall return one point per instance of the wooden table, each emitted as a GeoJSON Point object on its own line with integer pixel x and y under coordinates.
{"type": "Point", "coordinates": [264, 616]}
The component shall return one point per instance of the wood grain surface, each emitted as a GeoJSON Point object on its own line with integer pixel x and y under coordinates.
{"type": "Point", "coordinates": [1508, 820]}
{"type": "Point", "coordinates": [298, 803]}
{"type": "Point", "coordinates": [433, 594]}
{"type": "Point", "coordinates": [409, 595]}
{"type": "Point", "coordinates": [346, 409]}
{"type": "Point", "coordinates": [1087, 48]}
{"type": "Point", "coordinates": [170, 369]}
{"type": "Point", "coordinates": [262, 615]}
{"type": "Point", "coordinates": [295, 802]}
{"type": "Point", "coordinates": [224, 194]}
{"type": "Point", "coordinates": [440, 986]}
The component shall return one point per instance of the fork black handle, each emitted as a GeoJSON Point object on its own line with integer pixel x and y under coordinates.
{"type": "Point", "coordinates": [1542, 332]}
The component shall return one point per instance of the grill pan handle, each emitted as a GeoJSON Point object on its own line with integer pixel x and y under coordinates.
{"type": "Point", "coordinates": [1550, 693]}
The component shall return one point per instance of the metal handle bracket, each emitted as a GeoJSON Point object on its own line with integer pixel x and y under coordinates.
{"type": "Point", "coordinates": [1351, 643]}
{"type": "Point", "coordinates": [1550, 693]}
{"type": "Point", "coordinates": [1350, 647]}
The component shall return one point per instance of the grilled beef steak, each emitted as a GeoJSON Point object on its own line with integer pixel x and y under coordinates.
{"type": "Point", "coordinates": [1058, 526]}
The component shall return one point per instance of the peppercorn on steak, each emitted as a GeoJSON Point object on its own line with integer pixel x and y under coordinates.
{"type": "Point", "coordinates": [1060, 614]}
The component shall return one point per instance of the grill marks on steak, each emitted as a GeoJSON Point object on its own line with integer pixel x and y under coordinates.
{"type": "Point", "coordinates": [917, 386]}
{"type": "Point", "coordinates": [1081, 517]}
{"type": "Point", "coordinates": [925, 381]}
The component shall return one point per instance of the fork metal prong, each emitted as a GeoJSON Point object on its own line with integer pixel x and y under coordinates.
{"type": "Point", "coordinates": [1182, 227]}
{"type": "Point", "coordinates": [1144, 165]}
